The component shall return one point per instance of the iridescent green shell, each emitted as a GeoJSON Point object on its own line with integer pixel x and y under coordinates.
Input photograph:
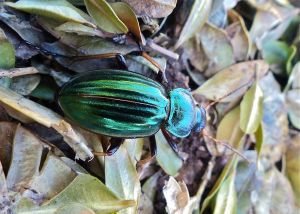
{"type": "Point", "coordinates": [116, 103]}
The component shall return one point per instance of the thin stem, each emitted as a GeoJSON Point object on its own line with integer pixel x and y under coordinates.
{"type": "Point", "coordinates": [226, 145]}
{"type": "Point", "coordinates": [230, 93]}
{"type": "Point", "coordinates": [162, 50]}
{"type": "Point", "coordinates": [100, 154]}
{"type": "Point", "coordinates": [18, 72]}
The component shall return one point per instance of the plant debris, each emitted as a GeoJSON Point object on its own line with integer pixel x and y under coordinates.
{"type": "Point", "coordinates": [239, 59]}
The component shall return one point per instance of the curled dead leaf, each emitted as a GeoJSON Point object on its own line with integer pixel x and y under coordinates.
{"type": "Point", "coordinates": [177, 196]}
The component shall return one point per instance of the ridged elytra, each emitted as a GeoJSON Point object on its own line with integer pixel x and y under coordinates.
{"type": "Point", "coordinates": [123, 104]}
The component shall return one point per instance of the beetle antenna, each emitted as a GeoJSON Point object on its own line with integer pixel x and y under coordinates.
{"type": "Point", "coordinates": [226, 145]}
{"type": "Point", "coordinates": [232, 92]}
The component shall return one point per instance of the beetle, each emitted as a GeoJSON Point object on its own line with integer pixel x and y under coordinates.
{"type": "Point", "coordinates": [177, 112]}
{"type": "Point", "coordinates": [123, 104]}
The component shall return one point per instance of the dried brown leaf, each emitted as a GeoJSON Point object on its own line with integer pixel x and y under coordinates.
{"type": "Point", "coordinates": [152, 8]}
{"type": "Point", "coordinates": [228, 80]}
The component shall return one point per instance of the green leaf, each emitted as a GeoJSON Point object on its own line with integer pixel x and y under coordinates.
{"type": "Point", "coordinates": [251, 109]}
{"type": "Point", "coordinates": [269, 26]}
{"type": "Point", "coordinates": [227, 169]}
{"type": "Point", "coordinates": [7, 52]}
{"type": "Point", "coordinates": [24, 85]}
{"type": "Point", "coordinates": [279, 53]}
{"type": "Point", "coordinates": [74, 208]}
{"type": "Point", "coordinates": [94, 194]}
{"type": "Point", "coordinates": [275, 52]}
{"type": "Point", "coordinates": [235, 78]}
{"type": "Point", "coordinates": [226, 199]}
{"type": "Point", "coordinates": [195, 21]}
{"type": "Point", "coordinates": [44, 91]}
{"type": "Point", "coordinates": [166, 157]}
{"type": "Point", "coordinates": [84, 190]}
{"type": "Point", "coordinates": [259, 137]}
{"type": "Point", "coordinates": [84, 45]}
{"type": "Point", "coordinates": [121, 175]}
{"type": "Point", "coordinates": [105, 17]}
{"type": "Point", "coordinates": [7, 57]}
{"type": "Point", "coordinates": [80, 29]}
{"type": "Point", "coordinates": [229, 131]}
{"type": "Point", "coordinates": [229, 128]}
{"type": "Point", "coordinates": [293, 167]}
{"type": "Point", "coordinates": [294, 78]}
{"type": "Point", "coordinates": [128, 17]}
{"type": "Point", "coordinates": [77, 2]}
{"type": "Point", "coordinates": [56, 9]}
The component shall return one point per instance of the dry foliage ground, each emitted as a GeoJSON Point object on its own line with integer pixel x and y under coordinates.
{"type": "Point", "coordinates": [242, 54]}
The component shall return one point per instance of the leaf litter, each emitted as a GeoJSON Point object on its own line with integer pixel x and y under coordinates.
{"type": "Point", "coordinates": [242, 54]}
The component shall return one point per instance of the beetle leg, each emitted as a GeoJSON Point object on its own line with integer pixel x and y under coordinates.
{"type": "Point", "coordinates": [122, 61]}
{"type": "Point", "coordinates": [115, 144]}
{"type": "Point", "coordinates": [174, 146]}
{"type": "Point", "coordinates": [153, 151]}
{"type": "Point", "coordinates": [171, 142]}
{"type": "Point", "coordinates": [161, 77]}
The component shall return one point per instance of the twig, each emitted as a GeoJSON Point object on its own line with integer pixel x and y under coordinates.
{"type": "Point", "coordinates": [226, 145]}
{"type": "Point", "coordinates": [162, 50]}
{"type": "Point", "coordinates": [18, 72]}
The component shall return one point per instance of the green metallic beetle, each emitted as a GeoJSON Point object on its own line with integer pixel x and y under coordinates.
{"type": "Point", "coordinates": [124, 104]}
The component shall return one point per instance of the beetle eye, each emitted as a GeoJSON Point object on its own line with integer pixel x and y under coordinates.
{"type": "Point", "coordinates": [200, 121]}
